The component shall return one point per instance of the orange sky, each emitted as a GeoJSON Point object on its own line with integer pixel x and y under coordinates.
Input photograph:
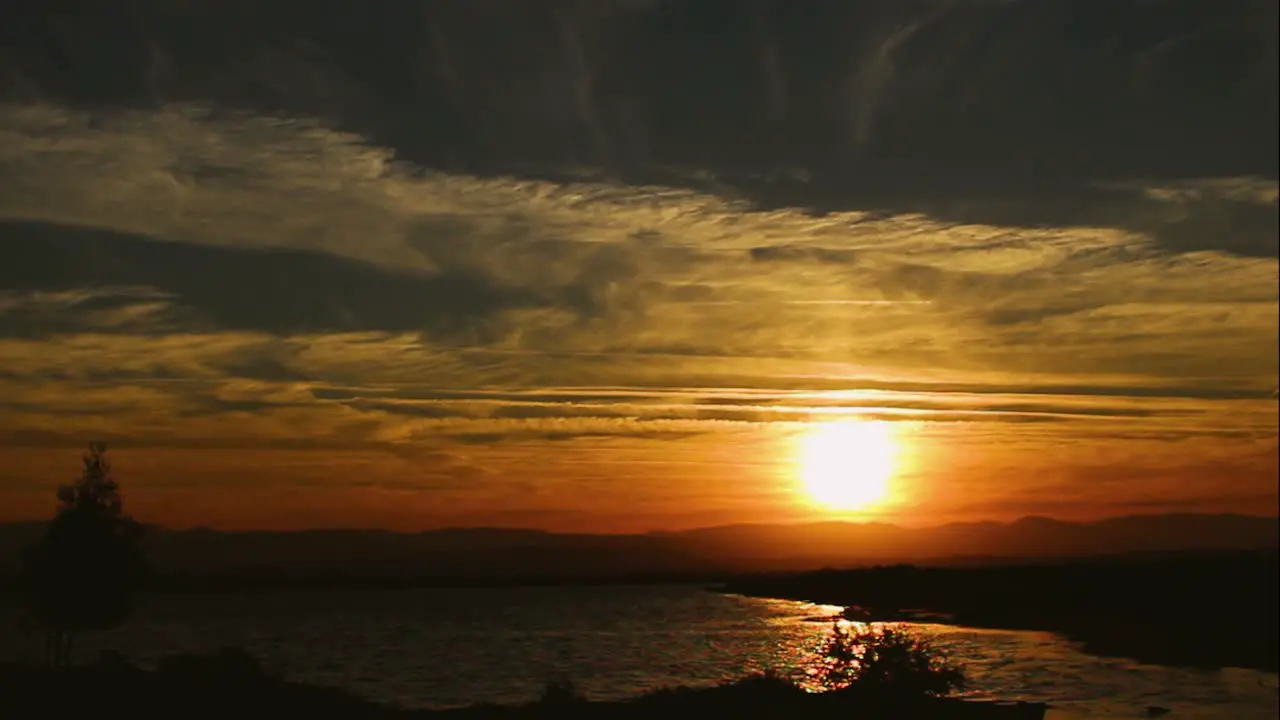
{"type": "Point", "coordinates": [591, 356]}
{"type": "Point", "coordinates": [620, 475]}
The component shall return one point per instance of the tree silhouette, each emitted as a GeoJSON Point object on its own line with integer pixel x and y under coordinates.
{"type": "Point", "coordinates": [888, 661]}
{"type": "Point", "coordinates": [80, 575]}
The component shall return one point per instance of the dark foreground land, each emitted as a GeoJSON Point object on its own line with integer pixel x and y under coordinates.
{"type": "Point", "coordinates": [1205, 610]}
{"type": "Point", "coordinates": [230, 683]}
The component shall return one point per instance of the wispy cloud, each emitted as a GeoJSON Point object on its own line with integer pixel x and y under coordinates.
{"type": "Point", "coordinates": [182, 279]}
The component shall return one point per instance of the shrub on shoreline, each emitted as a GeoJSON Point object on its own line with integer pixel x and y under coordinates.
{"type": "Point", "coordinates": [885, 661]}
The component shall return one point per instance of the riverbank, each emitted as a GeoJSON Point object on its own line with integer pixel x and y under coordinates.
{"type": "Point", "coordinates": [1206, 612]}
{"type": "Point", "coordinates": [230, 682]}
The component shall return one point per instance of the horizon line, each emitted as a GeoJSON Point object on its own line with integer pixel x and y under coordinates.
{"type": "Point", "coordinates": [700, 528]}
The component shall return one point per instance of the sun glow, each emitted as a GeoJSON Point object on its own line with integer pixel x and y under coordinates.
{"type": "Point", "coordinates": [847, 465]}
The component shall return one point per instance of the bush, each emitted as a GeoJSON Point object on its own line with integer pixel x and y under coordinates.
{"type": "Point", "coordinates": [560, 691]}
{"type": "Point", "coordinates": [886, 661]}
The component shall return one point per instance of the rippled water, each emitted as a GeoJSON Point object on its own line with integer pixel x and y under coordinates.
{"type": "Point", "coordinates": [434, 648]}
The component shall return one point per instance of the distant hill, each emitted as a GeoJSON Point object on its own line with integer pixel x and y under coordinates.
{"type": "Point", "coordinates": [838, 543]}
{"type": "Point", "coordinates": [506, 554]}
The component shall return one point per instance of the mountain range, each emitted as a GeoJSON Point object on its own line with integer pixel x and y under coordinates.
{"type": "Point", "coordinates": [507, 554]}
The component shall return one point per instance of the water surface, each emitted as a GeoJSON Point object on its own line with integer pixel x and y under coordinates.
{"type": "Point", "coordinates": [441, 648]}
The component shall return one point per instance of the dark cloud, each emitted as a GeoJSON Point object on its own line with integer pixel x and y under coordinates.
{"type": "Point", "coordinates": [1202, 219]}
{"type": "Point", "coordinates": [105, 308]}
{"type": "Point", "coordinates": [534, 435]}
{"type": "Point", "coordinates": [530, 396]}
{"type": "Point", "coordinates": [1207, 223]}
{"type": "Point", "coordinates": [793, 253]}
{"type": "Point", "coordinates": [879, 104]}
{"type": "Point", "coordinates": [1207, 218]}
{"type": "Point", "coordinates": [274, 291]}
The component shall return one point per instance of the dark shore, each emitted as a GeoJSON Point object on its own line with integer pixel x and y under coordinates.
{"type": "Point", "coordinates": [230, 682]}
{"type": "Point", "coordinates": [1205, 611]}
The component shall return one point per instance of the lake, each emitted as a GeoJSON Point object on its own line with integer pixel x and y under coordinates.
{"type": "Point", "coordinates": [440, 648]}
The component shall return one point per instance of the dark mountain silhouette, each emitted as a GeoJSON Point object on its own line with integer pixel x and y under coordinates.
{"type": "Point", "coordinates": [509, 555]}
{"type": "Point", "coordinates": [837, 544]}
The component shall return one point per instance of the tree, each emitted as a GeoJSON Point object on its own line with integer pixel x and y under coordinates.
{"type": "Point", "coordinates": [80, 576]}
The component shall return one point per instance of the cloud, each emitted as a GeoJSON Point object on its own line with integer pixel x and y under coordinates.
{"type": "Point", "coordinates": [275, 291]}
{"type": "Point", "coordinates": [599, 271]}
{"type": "Point", "coordinates": [186, 280]}
{"type": "Point", "coordinates": [196, 391]}
{"type": "Point", "coordinates": [779, 253]}
{"type": "Point", "coordinates": [112, 309]}
{"type": "Point", "coordinates": [918, 89]}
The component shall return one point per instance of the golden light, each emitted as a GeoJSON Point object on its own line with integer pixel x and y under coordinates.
{"type": "Point", "coordinates": [847, 465]}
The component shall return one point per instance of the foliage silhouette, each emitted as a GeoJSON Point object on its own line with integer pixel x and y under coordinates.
{"type": "Point", "coordinates": [231, 682]}
{"type": "Point", "coordinates": [561, 691]}
{"type": "Point", "coordinates": [80, 575]}
{"type": "Point", "coordinates": [885, 661]}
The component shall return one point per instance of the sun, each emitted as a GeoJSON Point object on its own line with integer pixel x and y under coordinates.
{"type": "Point", "coordinates": [847, 465]}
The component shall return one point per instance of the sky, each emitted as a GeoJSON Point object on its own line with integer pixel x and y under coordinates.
{"type": "Point", "coordinates": [534, 268]}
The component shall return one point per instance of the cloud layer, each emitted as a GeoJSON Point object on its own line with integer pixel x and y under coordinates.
{"type": "Point", "coordinates": [281, 320]}
{"type": "Point", "coordinates": [864, 93]}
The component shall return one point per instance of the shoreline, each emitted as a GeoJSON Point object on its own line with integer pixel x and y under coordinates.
{"type": "Point", "coordinates": [1098, 647]}
{"type": "Point", "coordinates": [1137, 647]}
{"type": "Point", "coordinates": [232, 681]}
{"type": "Point", "coordinates": [1144, 645]}
{"type": "Point", "coordinates": [1209, 612]}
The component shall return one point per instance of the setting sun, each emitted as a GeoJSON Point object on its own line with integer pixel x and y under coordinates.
{"type": "Point", "coordinates": [847, 465]}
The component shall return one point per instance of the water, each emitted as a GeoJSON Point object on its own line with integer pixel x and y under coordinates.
{"type": "Point", "coordinates": [439, 648]}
